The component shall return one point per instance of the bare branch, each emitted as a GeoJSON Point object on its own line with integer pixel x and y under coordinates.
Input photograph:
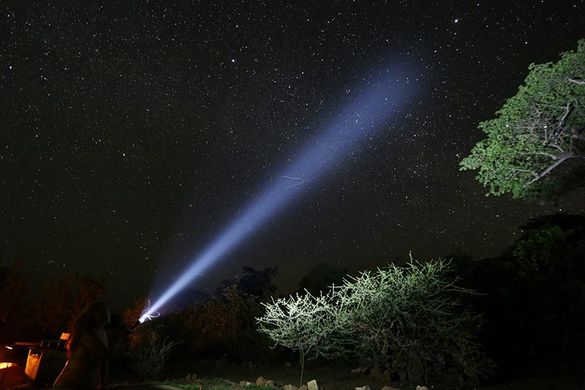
{"type": "Point", "coordinates": [557, 147]}
{"type": "Point", "coordinates": [577, 81]}
{"type": "Point", "coordinates": [550, 168]}
{"type": "Point", "coordinates": [568, 110]}
{"type": "Point", "coordinates": [519, 170]}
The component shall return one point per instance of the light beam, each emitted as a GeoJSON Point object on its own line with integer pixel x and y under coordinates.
{"type": "Point", "coordinates": [364, 115]}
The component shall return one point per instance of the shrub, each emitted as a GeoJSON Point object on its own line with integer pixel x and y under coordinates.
{"type": "Point", "coordinates": [305, 323]}
{"type": "Point", "coordinates": [149, 358]}
{"type": "Point", "coordinates": [410, 319]}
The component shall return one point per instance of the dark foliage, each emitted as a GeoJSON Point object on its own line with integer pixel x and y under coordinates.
{"type": "Point", "coordinates": [533, 296]}
{"type": "Point", "coordinates": [220, 327]}
{"type": "Point", "coordinates": [251, 282]}
{"type": "Point", "coordinates": [44, 315]}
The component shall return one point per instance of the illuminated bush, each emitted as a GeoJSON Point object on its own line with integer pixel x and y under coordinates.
{"type": "Point", "coordinates": [412, 319]}
{"type": "Point", "coordinates": [310, 325]}
{"type": "Point", "coordinates": [409, 319]}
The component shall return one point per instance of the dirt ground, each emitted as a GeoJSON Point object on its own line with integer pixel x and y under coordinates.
{"type": "Point", "coordinates": [340, 378]}
{"type": "Point", "coordinates": [331, 377]}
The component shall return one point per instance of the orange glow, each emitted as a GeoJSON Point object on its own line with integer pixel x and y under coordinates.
{"type": "Point", "coordinates": [4, 365]}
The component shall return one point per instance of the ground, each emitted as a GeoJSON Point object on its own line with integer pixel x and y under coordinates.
{"type": "Point", "coordinates": [329, 377]}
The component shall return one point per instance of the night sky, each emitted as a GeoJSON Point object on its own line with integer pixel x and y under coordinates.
{"type": "Point", "coordinates": [132, 132]}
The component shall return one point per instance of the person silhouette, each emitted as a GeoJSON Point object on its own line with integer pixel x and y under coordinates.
{"type": "Point", "coordinates": [88, 352]}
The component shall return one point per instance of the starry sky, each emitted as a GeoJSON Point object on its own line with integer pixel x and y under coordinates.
{"type": "Point", "coordinates": [132, 132]}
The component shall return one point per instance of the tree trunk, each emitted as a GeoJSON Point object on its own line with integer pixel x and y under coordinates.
{"type": "Point", "coordinates": [302, 362]}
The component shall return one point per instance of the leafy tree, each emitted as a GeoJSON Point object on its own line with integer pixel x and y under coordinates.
{"type": "Point", "coordinates": [536, 131]}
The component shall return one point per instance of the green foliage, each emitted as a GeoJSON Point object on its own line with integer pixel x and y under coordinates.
{"type": "Point", "coordinates": [536, 252]}
{"type": "Point", "coordinates": [410, 319]}
{"type": "Point", "coordinates": [536, 131]}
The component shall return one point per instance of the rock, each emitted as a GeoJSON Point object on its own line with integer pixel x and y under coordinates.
{"type": "Point", "coordinates": [312, 385]}
{"type": "Point", "coordinates": [303, 387]}
{"type": "Point", "coordinates": [366, 387]}
{"type": "Point", "coordinates": [260, 381]}
{"type": "Point", "coordinates": [269, 383]}
{"type": "Point", "coordinates": [388, 388]}
{"type": "Point", "coordinates": [289, 387]}
{"type": "Point", "coordinates": [245, 383]}
{"type": "Point", "coordinates": [422, 388]}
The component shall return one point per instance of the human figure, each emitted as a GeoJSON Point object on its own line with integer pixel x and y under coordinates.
{"type": "Point", "coordinates": [87, 351]}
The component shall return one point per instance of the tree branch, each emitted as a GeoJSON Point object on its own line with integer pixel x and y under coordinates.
{"type": "Point", "coordinates": [557, 147]}
{"type": "Point", "coordinates": [550, 168]}
{"type": "Point", "coordinates": [549, 155]}
{"type": "Point", "coordinates": [577, 81]}
{"type": "Point", "coordinates": [518, 171]}
{"type": "Point", "coordinates": [568, 110]}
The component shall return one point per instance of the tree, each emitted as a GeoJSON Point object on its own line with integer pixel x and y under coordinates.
{"type": "Point", "coordinates": [533, 296]}
{"type": "Point", "coordinates": [536, 131]}
{"type": "Point", "coordinates": [303, 323]}
{"type": "Point", "coordinates": [251, 282]}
